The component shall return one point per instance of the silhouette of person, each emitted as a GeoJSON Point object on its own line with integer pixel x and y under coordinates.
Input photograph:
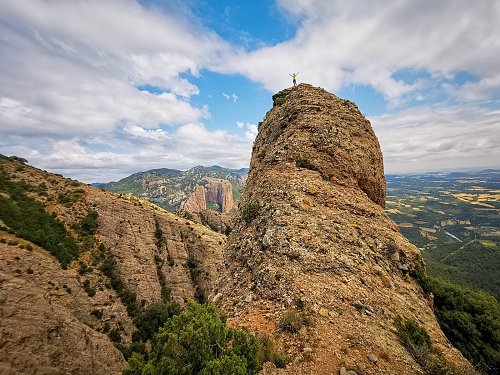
{"type": "Point", "coordinates": [294, 76]}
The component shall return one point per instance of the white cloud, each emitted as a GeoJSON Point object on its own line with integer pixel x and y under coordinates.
{"type": "Point", "coordinates": [365, 42]}
{"type": "Point", "coordinates": [430, 137]}
{"type": "Point", "coordinates": [251, 130]}
{"type": "Point", "coordinates": [69, 74]}
{"type": "Point", "coordinates": [69, 100]}
{"type": "Point", "coordinates": [232, 97]}
{"type": "Point", "coordinates": [71, 68]}
{"type": "Point", "coordinates": [109, 157]}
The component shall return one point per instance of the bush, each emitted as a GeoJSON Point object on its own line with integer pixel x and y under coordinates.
{"type": "Point", "coordinates": [415, 339]}
{"type": "Point", "coordinates": [279, 97]}
{"type": "Point", "coordinates": [88, 225]}
{"type": "Point", "coordinates": [149, 321]}
{"type": "Point", "coordinates": [249, 211]}
{"type": "Point", "coordinates": [28, 219]}
{"type": "Point", "coordinates": [303, 162]}
{"type": "Point", "coordinates": [197, 341]}
{"type": "Point", "coordinates": [109, 268]}
{"type": "Point", "coordinates": [97, 313]}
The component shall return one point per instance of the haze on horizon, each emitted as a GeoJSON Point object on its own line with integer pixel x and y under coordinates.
{"type": "Point", "coordinates": [99, 90]}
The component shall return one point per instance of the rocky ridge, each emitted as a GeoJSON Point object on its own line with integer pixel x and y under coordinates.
{"type": "Point", "coordinates": [314, 241]}
{"type": "Point", "coordinates": [54, 320]}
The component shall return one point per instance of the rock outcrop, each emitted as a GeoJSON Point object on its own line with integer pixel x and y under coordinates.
{"type": "Point", "coordinates": [314, 236]}
{"type": "Point", "coordinates": [212, 190]}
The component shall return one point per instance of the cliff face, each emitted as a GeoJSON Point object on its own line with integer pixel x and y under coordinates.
{"type": "Point", "coordinates": [213, 190]}
{"type": "Point", "coordinates": [314, 235]}
{"type": "Point", "coordinates": [168, 188]}
{"type": "Point", "coordinates": [55, 320]}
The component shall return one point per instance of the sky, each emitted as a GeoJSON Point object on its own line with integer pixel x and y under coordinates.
{"type": "Point", "coordinates": [97, 90]}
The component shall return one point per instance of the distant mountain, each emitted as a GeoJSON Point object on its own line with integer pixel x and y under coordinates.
{"type": "Point", "coordinates": [169, 188]}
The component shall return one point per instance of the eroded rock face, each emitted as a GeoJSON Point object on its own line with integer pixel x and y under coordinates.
{"type": "Point", "coordinates": [214, 190]}
{"type": "Point", "coordinates": [49, 323]}
{"type": "Point", "coordinates": [43, 328]}
{"type": "Point", "coordinates": [318, 237]}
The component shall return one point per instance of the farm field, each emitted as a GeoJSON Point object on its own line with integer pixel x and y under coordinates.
{"type": "Point", "coordinates": [454, 218]}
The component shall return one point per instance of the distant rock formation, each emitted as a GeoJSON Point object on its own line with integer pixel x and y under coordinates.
{"type": "Point", "coordinates": [168, 188]}
{"type": "Point", "coordinates": [213, 190]}
{"type": "Point", "coordinates": [314, 240]}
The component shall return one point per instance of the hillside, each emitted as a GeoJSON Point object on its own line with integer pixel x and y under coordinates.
{"type": "Point", "coordinates": [314, 261]}
{"type": "Point", "coordinates": [454, 218]}
{"type": "Point", "coordinates": [79, 265]}
{"type": "Point", "coordinates": [169, 188]}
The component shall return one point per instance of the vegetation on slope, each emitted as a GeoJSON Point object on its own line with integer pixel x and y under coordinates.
{"type": "Point", "coordinates": [198, 341]}
{"type": "Point", "coordinates": [469, 318]}
{"type": "Point", "coordinates": [28, 219]}
{"type": "Point", "coordinates": [471, 321]}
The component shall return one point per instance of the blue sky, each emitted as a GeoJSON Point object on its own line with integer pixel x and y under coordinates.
{"type": "Point", "coordinates": [99, 90]}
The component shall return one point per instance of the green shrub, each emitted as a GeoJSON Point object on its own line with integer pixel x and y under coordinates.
{"type": "Point", "coordinates": [88, 225]}
{"type": "Point", "coordinates": [170, 260]}
{"type": "Point", "coordinates": [84, 268]}
{"type": "Point", "coordinates": [279, 97]}
{"type": "Point", "coordinates": [249, 211]}
{"type": "Point", "coordinates": [415, 339]}
{"type": "Point", "coordinates": [159, 240]}
{"type": "Point", "coordinates": [28, 219]}
{"type": "Point", "coordinates": [153, 317]}
{"type": "Point", "coordinates": [109, 268]}
{"type": "Point", "coordinates": [115, 336]}
{"type": "Point", "coordinates": [86, 286]}
{"type": "Point", "coordinates": [268, 353]}
{"type": "Point", "coordinates": [303, 162]}
{"type": "Point", "coordinates": [197, 341]}
{"type": "Point", "coordinates": [97, 313]}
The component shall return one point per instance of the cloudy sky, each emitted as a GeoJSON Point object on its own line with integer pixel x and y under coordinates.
{"type": "Point", "coordinates": [97, 90]}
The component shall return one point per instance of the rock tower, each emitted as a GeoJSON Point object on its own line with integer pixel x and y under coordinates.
{"type": "Point", "coordinates": [314, 236]}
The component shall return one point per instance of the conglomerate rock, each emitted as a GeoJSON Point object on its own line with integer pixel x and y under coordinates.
{"type": "Point", "coordinates": [314, 234]}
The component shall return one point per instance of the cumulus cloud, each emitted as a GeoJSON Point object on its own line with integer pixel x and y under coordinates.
{"type": "Point", "coordinates": [72, 78]}
{"type": "Point", "coordinates": [110, 157]}
{"type": "Point", "coordinates": [366, 42]}
{"type": "Point", "coordinates": [73, 68]}
{"type": "Point", "coordinates": [251, 130]}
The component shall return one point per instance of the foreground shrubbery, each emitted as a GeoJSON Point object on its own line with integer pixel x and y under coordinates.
{"type": "Point", "coordinates": [197, 341]}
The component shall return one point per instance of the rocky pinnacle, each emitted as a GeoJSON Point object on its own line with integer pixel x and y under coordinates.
{"type": "Point", "coordinates": [314, 243]}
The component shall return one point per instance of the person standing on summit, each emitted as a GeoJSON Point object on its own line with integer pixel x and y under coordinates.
{"type": "Point", "coordinates": [294, 78]}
